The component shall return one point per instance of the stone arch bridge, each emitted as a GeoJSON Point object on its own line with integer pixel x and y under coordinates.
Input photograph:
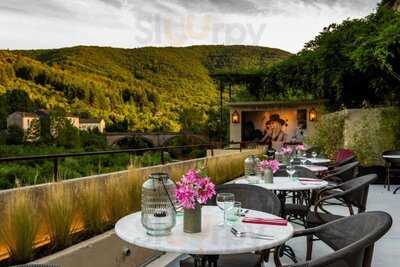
{"type": "Point", "coordinates": [155, 139]}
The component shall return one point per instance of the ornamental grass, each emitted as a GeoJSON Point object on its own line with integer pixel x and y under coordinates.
{"type": "Point", "coordinates": [19, 227]}
{"type": "Point", "coordinates": [60, 214]}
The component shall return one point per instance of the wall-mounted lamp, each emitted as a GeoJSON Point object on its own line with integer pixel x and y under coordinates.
{"type": "Point", "coordinates": [312, 115]}
{"type": "Point", "coordinates": [235, 117]}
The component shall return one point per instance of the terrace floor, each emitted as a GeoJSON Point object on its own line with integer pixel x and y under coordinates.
{"type": "Point", "coordinates": [386, 251]}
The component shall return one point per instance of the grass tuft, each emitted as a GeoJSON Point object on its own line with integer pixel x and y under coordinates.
{"type": "Point", "coordinates": [19, 227]}
{"type": "Point", "coordinates": [91, 205]}
{"type": "Point", "coordinates": [59, 210]}
{"type": "Point", "coordinates": [118, 199]}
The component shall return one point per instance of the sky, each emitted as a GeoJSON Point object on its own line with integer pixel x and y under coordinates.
{"type": "Point", "coordinates": [285, 24]}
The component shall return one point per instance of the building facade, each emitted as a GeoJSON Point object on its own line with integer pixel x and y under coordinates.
{"type": "Point", "coordinates": [277, 122]}
{"type": "Point", "coordinates": [92, 124]}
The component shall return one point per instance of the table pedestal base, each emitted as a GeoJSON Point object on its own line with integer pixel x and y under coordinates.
{"type": "Point", "coordinates": [203, 261]}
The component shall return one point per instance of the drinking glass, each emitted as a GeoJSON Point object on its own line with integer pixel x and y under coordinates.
{"type": "Point", "coordinates": [225, 201]}
{"type": "Point", "coordinates": [234, 213]}
{"type": "Point", "coordinates": [314, 154]}
{"type": "Point", "coordinates": [303, 161]}
{"type": "Point", "coordinates": [290, 169]}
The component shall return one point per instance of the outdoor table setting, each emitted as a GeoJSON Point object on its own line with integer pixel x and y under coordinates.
{"type": "Point", "coordinates": [174, 219]}
{"type": "Point", "coordinates": [214, 239]}
{"type": "Point", "coordinates": [285, 184]}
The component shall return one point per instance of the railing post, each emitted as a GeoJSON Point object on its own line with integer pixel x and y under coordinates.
{"type": "Point", "coordinates": [240, 146]}
{"type": "Point", "coordinates": [130, 160]}
{"type": "Point", "coordinates": [55, 169]}
{"type": "Point", "coordinates": [212, 150]}
{"type": "Point", "coordinates": [162, 156]}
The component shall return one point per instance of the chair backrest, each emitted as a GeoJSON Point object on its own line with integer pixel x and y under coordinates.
{"type": "Point", "coordinates": [394, 162]}
{"type": "Point", "coordinates": [352, 238]}
{"type": "Point", "coordinates": [345, 161]}
{"type": "Point", "coordinates": [355, 191]}
{"type": "Point", "coordinates": [343, 154]}
{"type": "Point", "coordinates": [252, 197]}
{"type": "Point", "coordinates": [347, 171]}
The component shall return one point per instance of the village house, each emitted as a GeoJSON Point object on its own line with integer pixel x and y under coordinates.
{"type": "Point", "coordinates": [24, 120]}
{"type": "Point", "coordinates": [92, 124]}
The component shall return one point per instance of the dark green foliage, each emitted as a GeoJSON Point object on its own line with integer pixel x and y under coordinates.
{"type": "Point", "coordinates": [349, 64]}
{"type": "Point", "coordinates": [134, 142]}
{"type": "Point", "coordinates": [15, 135]}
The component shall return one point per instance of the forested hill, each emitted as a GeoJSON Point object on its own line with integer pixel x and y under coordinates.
{"type": "Point", "coordinates": [151, 88]}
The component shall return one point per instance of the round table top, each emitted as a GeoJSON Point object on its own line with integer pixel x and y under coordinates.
{"type": "Point", "coordinates": [213, 240]}
{"type": "Point", "coordinates": [391, 156]}
{"type": "Point", "coordinates": [318, 160]}
{"type": "Point", "coordinates": [287, 184]}
{"type": "Point", "coordinates": [315, 168]}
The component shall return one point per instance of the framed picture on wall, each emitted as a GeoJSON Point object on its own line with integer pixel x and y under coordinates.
{"type": "Point", "coordinates": [302, 118]}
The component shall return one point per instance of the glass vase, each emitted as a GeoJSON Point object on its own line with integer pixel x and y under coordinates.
{"type": "Point", "coordinates": [268, 177]}
{"type": "Point", "coordinates": [158, 204]}
{"type": "Point", "coordinates": [192, 220]}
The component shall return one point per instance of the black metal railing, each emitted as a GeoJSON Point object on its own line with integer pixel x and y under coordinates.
{"type": "Point", "coordinates": [131, 152]}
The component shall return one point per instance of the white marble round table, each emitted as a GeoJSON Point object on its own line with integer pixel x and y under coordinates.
{"type": "Point", "coordinates": [287, 184]}
{"type": "Point", "coordinates": [315, 168]}
{"type": "Point", "coordinates": [213, 240]}
{"type": "Point", "coordinates": [318, 160]}
{"type": "Point", "coordinates": [391, 156]}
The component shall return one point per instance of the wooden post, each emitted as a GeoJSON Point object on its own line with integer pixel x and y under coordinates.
{"type": "Point", "coordinates": [55, 170]}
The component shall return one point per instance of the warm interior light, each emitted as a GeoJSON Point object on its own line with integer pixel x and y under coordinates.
{"type": "Point", "coordinates": [235, 117]}
{"type": "Point", "coordinates": [313, 115]}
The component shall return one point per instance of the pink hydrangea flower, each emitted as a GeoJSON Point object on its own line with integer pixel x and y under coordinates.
{"type": "Point", "coordinates": [193, 188]}
{"type": "Point", "coordinates": [272, 164]}
{"type": "Point", "coordinates": [287, 151]}
{"type": "Point", "coordinates": [300, 148]}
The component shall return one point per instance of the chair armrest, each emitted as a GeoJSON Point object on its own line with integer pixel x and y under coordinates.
{"type": "Point", "coordinates": [305, 232]}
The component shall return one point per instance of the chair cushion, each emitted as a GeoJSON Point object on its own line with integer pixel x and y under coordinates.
{"type": "Point", "coordinates": [239, 260]}
{"type": "Point", "coordinates": [313, 220]}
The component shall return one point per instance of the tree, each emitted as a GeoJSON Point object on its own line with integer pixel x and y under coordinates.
{"type": "Point", "coordinates": [33, 132]}
{"type": "Point", "coordinates": [68, 136]}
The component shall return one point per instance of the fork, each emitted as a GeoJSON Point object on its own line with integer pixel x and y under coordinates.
{"type": "Point", "coordinates": [250, 234]}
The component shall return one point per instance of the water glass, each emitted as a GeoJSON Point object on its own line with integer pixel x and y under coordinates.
{"type": "Point", "coordinates": [234, 213]}
{"type": "Point", "coordinates": [314, 154]}
{"type": "Point", "coordinates": [290, 169]}
{"type": "Point", "coordinates": [225, 201]}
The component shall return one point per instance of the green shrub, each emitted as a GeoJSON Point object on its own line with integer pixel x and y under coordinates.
{"type": "Point", "coordinates": [376, 131]}
{"type": "Point", "coordinates": [328, 135]}
{"type": "Point", "coordinates": [15, 135]}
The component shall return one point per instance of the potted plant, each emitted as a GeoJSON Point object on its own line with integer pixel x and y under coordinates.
{"type": "Point", "coordinates": [193, 190]}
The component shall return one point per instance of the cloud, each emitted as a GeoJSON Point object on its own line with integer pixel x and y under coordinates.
{"type": "Point", "coordinates": [286, 24]}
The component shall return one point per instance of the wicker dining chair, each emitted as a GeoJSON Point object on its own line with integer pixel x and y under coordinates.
{"type": "Point", "coordinates": [351, 238]}
{"type": "Point", "coordinates": [343, 173]}
{"type": "Point", "coordinates": [251, 197]}
{"type": "Point", "coordinates": [343, 162]}
{"type": "Point", "coordinates": [351, 194]}
{"type": "Point", "coordinates": [392, 168]}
